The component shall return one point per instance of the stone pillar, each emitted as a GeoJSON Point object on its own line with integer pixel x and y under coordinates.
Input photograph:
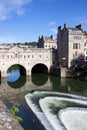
{"type": "Point", "coordinates": [4, 73]}
{"type": "Point", "coordinates": [64, 72]}
{"type": "Point", "coordinates": [28, 72]}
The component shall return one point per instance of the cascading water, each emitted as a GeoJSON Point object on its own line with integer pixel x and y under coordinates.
{"type": "Point", "coordinates": [50, 107]}
{"type": "Point", "coordinates": [74, 118]}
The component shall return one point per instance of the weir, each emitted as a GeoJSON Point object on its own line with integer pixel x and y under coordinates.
{"type": "Point", "coordinates": [47, 107]}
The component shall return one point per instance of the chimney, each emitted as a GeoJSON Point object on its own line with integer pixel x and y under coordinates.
{"type": "Point", "coordinates": [79, 26]}
{"type": "Point", "coordinates": [51, 37]}
{"type": "Point", "coordinates": [65, 25]}
{"type": "Point", "coordinates": [59, 28]}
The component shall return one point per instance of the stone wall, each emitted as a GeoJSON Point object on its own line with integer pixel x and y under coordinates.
{"type": "Point", "coordinates": [7, 122]}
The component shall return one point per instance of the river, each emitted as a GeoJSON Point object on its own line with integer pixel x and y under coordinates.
{"type": "Point", "coordinates": [16, 86]}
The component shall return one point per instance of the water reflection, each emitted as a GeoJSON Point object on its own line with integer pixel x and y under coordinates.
{"type": "Point", "coordinates": [39, 79]}
{"type": "Point", "coordinates": [18, 83]}
{"type": "Point", "coordinates": [13, 76]}
{"type": "Point", "coordinates": [69, 85]}
{"type": "Point", "coordinates": [15, 79]}
{"type": "Point", "coordinates": [40, 82]}
{"type": "Point", "coordinates": [16, 86]}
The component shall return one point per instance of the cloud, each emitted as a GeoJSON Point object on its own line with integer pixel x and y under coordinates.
{"type": "Point", "coordinates": [51, 23]}
{"type": "Point", "coordinates": [82, 20]}
{"type": "Point", "coordinates": [8, 7]}
{"type": "Point", "coordinates": [52, 27]}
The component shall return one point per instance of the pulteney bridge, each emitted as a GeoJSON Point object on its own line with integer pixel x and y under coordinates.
{"type": "Point", "coordinates": [28, 59]}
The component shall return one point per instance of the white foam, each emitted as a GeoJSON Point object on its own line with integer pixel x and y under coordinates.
{"type": "Point", "coordinates": [46, 117]}
{"type": "Point", "coordinates": [74, 118]}
{"type": "Point", "coordinates": [40, 115]}
{"type": "Point", "coordinates": [57, 102]}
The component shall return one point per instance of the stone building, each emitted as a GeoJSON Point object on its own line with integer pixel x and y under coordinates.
{"type": "Point", "coordinates": [71, 42]}
{"type": "Point", "coordinates": [47, 42]}
{"type": "Point", "coordinates": [26, 58]}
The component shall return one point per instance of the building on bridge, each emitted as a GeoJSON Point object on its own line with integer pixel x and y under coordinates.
{"type": "Point", "coordinates": [27, 58]}
{"type": "Point", "coordinates": [47, 42]}
{"type": "Point", "coordinates": [71, 42]}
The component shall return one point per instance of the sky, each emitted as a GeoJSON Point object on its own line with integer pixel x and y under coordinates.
{"type": "Point", "coordinates": [25, 20]}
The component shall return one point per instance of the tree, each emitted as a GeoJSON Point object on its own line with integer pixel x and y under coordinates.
{"type": "Point", "coordinates": [78, 66]}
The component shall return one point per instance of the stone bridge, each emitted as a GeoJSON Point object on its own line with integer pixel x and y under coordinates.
{"type": "Point", "coordinates": [26, 58]}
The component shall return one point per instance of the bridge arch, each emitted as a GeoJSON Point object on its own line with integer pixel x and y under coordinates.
{"type": "Point", "coordinates": [24, 57]}
{"type": "Point", "coordinates": [21, 68]}
{"type": "Point", "coordinates": [39, 68]}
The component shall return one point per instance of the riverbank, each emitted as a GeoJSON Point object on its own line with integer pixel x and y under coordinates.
{"type": "Point", "coordinates": [7, 122]}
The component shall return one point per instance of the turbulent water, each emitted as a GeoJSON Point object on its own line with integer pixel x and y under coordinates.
{"type": "Point", "coordinates": [53, 100]}
{"type": "Point", "coordinates": [51, 109]}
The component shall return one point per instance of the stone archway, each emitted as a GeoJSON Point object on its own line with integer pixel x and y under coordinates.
{"type": "Point", "coordinates": [16, 76]}
{"type": "Point", "coordinates": [39, 68]}
{"type": "Point", "coordinates": [17, 66]}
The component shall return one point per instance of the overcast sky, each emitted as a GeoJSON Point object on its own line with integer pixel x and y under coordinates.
{"type": "Point", "coordinates": [26, 20]}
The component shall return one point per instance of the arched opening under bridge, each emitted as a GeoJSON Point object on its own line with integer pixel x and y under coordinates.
{"type": "Point", "coordinates": [39, 68]}
{"type": "Point", "coordinates": [39, 76]}
{"type": "Point", "coordinates": [17, 67]}
{"type": "Point", "coordinates": [15, 72]}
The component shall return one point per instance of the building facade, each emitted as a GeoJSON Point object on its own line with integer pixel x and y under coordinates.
{"type": "Point", "coordinates": [71, 42]}
{"type": "Point", "coordinates": [47, 42]}
{"type": "Point", "coordinates": [25, 57]}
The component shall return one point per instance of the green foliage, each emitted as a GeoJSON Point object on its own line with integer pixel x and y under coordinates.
{"type": "Point", "coordinates": [18, 119]}
{"type": "Point", "coordinates": [14, 110]}
{"type": "Point", "coordinates": [33, 44]}
{"type": "Point", "coordinates": [78, 66]}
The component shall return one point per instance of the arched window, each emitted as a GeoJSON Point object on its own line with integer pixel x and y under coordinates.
{"type": "Point", "coordinates": [32, 56]}
{"type": "Point", "coordinates": [24, 56]}
{"type": "Point", "coordinates": [85, 44]}
{"type": "Point", "coordinates": [40, 56]}
{"type": "Point", "coordinates": [7, 56]}
{"type": "Point", "coordinates": [28, 56]}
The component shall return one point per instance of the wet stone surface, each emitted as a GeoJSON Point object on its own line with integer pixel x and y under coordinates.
{"type": "Point", "coordinates": [7, 122]}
